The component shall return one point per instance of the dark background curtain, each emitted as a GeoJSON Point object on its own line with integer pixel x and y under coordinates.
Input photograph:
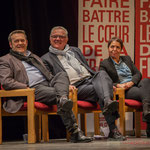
{"type": "Point", "coordinates": [36, 17]}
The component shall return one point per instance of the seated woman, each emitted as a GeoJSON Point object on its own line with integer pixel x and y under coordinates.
{"type": "Point", "coordinates": [125, 75]}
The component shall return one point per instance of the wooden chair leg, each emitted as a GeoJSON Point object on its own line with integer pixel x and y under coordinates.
{"type": "Point", "coordinates": [38, 127]}
{"type": "Point", "coordinates": [31, 120]}
{"type": "Point", "coordinates": [96, 124]}
{"type": "Point", "coordinates": [83, 123]}
{"type": "Point", "coordinates": [0, 121]}
{"type": "Point", "coordinates": [68, 136]}
{"type": "Point", "coordinates": [122, 111]}
{"type": "Point", "coordinates": [137, 124]}
{"type": "Point", "coordinates": [122, 123]}
{"type": "Point", "coordinates": [45, 130]}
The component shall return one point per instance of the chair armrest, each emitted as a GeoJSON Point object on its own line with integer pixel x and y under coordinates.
{"type": "Point", "coordinates": [30, 93]}
{"type": "Point", "coordinates": [121, 93]}
{"type": "Point", "coordinates": [18, 92]}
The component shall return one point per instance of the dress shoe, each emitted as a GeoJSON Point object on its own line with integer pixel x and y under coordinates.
{"type": "Point", "coordinates": [78, 137]}
{"type": "Point", "coordinates": [110, 107]}
{"type": "Point", "coordinates": [115, 135]}
{"type": "Point", "coordinates": [65, 104]}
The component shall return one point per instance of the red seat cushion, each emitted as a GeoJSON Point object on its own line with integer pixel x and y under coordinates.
{"type": "Point", "coordinates": [41, 106]}
{"type": "Point", "coordinates": [88, 105]}
{"type": "Point", "coordinates": [133, 103]}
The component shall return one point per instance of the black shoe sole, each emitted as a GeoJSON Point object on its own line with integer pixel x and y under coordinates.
{"type": "Point", "coordinates": [111, 108]}
{"type": "Point", "coordinates": [67, 106]}
{"type": "Point", "coordinates": [82, 141]}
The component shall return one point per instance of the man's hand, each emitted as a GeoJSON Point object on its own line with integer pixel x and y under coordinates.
{"type": "Point", "coordinates": [126, 85]}
{"type": "Point", "coordinates": [72, 87]}
{"type": "Point", "coordinates": [129, 84]}
{"type": "Point", "coordinates": [114, 88]}
{"type": "Point", "coordinates": [123, 85]}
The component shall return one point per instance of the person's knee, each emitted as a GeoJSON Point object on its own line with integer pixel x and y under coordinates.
{"type": "Point", "coordinates": [61, 74]}
{"type": "Point", "coordinates": [51, 93]}
{"type": "Point", "coordinates": [104, 76]}
{"type": "Point", "coordinates": [103, 73]}
{"type": "Point", "coordinates": [146, 80]}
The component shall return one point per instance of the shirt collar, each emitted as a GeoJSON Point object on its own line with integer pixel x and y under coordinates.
{"type": "Point", "coordinates": [120, 61]}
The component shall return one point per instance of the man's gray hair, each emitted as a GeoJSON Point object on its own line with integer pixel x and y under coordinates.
{"type": "Point", "coordinates": [59, 27]}
{"type": "Point", "coordinates": [14, 32]}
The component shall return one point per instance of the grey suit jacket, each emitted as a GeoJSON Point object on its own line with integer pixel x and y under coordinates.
{"type": "Point", "coordinates": [13, 76]}
{"type": "Point", "coordinates": [109, 67]}
{"type": "Point", "coordinates": [54, 65]}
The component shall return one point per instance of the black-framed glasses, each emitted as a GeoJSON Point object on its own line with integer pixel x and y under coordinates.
{"type": "Point", "coordinates": [56, 36]}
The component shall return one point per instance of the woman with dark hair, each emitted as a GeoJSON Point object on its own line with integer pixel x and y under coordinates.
{"type": "Point", "coordinates": [125, 75]}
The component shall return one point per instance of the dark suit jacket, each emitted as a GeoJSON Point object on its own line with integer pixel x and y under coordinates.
{"type": "Point", "coordinates": [109, 67]}
{"type": "Point", "coordinates": [53, 64]}
{"type": "Point", "coordinates": [13, 76]}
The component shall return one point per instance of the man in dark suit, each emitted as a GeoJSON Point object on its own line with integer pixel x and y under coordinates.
{"type": "Point", "coordinates": [92, 86]}
{"type": "Point", "coordinates": [125, 75]}
{"type": "Point", "coordinates": [22, 69]}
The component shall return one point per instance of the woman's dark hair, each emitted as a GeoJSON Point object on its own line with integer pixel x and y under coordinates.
{"type": "Point", "coordinates": [115, 39]}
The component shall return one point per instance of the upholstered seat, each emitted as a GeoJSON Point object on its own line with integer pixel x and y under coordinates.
{"type": "Point", "coordinates": [88, 105]}
{"type": "Point", "coordinates": [129, 105]}
{"type": "Point", "coordinates": [133, 103]}
{"type": "Point", "coordinates": [52, 110]}
{"type": "Point", "coordinates": [41, 106]}
{"type": "Point", "coordinates": [125, 105]}
{"type": "Point", "coordinates": [33, 110]}
{"type": "Point", "coordinates": [85, 107]}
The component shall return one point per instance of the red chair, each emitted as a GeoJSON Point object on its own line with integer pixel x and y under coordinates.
{"type": "Point", "coordinates": [87, 107]}
{"type": "Point", "coordinates": [129, 105]}
{"type": "Point", "coordinates": [52, 110]}
{"type": "Point", "coordinates": [125, 105]}
{"type": "Point", "coordinates": [33, 110]}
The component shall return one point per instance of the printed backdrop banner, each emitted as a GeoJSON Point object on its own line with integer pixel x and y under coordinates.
{"type": "Point", "coordinates": [142, 40]}
{"type": "Point", "coordinates": [99, 20]}
{"type": "Point", "coordinates": [142, 37]}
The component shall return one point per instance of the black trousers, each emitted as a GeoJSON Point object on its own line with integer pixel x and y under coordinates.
{"type": "Point", "coordinates": [97, 89]}
{"type": "Point", "coordinates": [140, 92]}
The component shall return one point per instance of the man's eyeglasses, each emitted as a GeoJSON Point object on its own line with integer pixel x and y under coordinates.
{"type": "Point", "coordinates": [56, 36]}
